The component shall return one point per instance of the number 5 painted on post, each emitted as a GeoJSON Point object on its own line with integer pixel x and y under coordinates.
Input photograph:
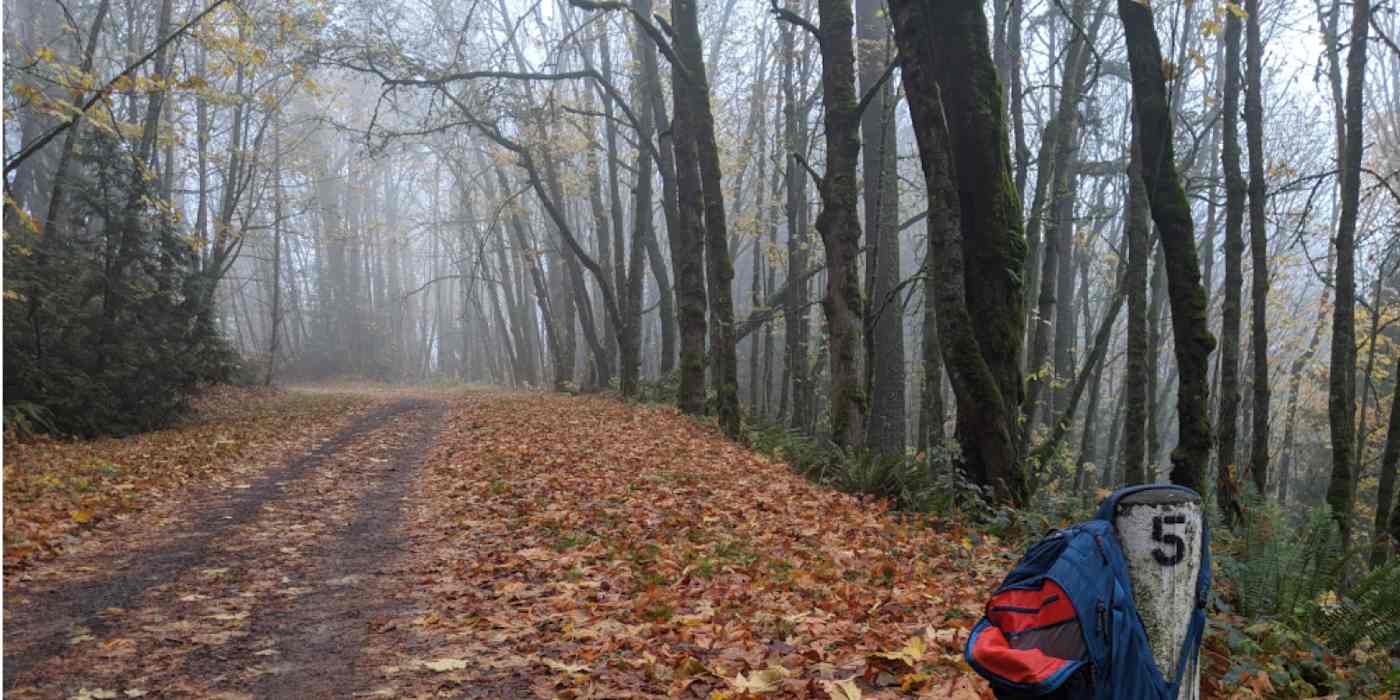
{"type": "Point", "coordinates": [1177, 545]}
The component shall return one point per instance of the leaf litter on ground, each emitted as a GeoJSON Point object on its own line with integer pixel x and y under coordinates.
{"type": "Point", "coordinates": [59, 490]}
{"type": "Point", "coordinates": [582, 547]}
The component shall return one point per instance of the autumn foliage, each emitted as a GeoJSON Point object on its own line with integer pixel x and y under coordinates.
{"type": "Point", "coordinates": [57, 491]}
{"type": "Point", "coordinates": [581, 547]}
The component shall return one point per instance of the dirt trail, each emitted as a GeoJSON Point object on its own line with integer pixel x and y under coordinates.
{"type": "Point", "coordinates": [269, 592]}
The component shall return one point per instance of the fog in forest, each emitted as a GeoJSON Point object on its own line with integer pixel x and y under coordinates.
{"type": "Point", "coordinates": [909, 235]}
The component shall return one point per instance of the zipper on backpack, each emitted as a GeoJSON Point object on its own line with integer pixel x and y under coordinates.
{"type": "Point", "coordinates": [1107, 643]}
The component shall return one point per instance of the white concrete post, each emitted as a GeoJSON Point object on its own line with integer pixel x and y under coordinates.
{"type": "Point", "coordinates": [1161, 534]}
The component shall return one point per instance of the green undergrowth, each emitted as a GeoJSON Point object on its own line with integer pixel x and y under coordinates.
{"type": "Point", "coordinates": [1295, 615]}
{"type": "Point", "coordinates": [926, 482]}
{"type": "Point", "coordinates": [1290, 616]}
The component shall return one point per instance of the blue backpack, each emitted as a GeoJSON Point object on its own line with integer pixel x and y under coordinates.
{"type": "Point", "coordinates": [1063, 623]}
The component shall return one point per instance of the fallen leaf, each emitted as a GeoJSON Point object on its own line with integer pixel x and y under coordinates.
{"type": "Point", "coordinates": [565, 667]}
{"type": "Point", "coordinates": [94, 694]}
{"type": "Point", "coordinates": [843, 690]}
{"type": "Point", "coordinates": [765, 681]}
{"type": "Point", "coordinates": [444, 665]}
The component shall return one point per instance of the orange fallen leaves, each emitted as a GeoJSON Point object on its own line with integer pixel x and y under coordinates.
{"type": "Point", "coordinates": [57, 490]}
{"type": "Point", "coordinates": [626, 551]}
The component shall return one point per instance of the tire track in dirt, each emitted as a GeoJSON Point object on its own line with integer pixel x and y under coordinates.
{"type": "Point", "coordinates": [322, 658]}
{"type": "Point", "coordinates": [42, 629]}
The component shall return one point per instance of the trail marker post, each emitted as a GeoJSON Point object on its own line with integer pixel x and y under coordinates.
{"type": "Point", "coordinates": [1161, 533]}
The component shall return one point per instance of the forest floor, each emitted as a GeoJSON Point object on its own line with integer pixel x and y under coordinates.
{"type": "Point", "coordinates": [362, 542]}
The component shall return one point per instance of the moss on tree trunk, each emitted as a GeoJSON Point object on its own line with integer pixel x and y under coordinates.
{"type": "Point", "coordinates": [974, 227]}
{"type": "Point", "coordinates": [1172, 214]}
{"type": "Point", "coordinates": [838, 223]}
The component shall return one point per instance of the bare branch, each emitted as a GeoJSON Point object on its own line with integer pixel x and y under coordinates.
{"type": "Point", "coordinates": [791, 17]}
{"type": "Point", "coordinates": [651, 31]}
{"type": "Point", "coordinates": [875, 89]}
{"type": "Point", "coordinates": [44, 140]}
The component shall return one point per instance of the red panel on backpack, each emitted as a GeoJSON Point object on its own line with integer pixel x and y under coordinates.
{"type": "Point", "coordinates": [1017, 610]}
{"type": "Point", "coordinates": [995, 655]}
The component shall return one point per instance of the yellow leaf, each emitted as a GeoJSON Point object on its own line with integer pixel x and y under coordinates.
{"type": "Point", "coordinates": [1236, 10]}
{"type": "Point", "coordinates": [94, 694]}
{"type": "Point", "coordinates": [912, 652]}
{"type": "Point", "coordinates": [81, 517]}
{"type": "Point", "coordinates": [566, 668]}
{"type": "Point", "coordinates": [947, 638]}
{"type": "Point", "coordinates": [765, 681]}
{"type": "Point", "coordinates": [444, 665]}
{"type": "Point", "coordinates": [913, 682]}
{"type": "Point", "coordinates": [842, 690]}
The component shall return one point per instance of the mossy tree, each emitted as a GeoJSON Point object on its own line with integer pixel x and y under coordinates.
{"type": "Point", "coordinates": [837, 223]}
{"type": "Point", "coordinates": [1172, 214]}
{"type": "Point", "coordinates": [884, 331]}
{"type": "Point", "coordinates": [1235, 193]}
{"type": "Point", "coordinates": [694, 96]}
{"type": "Point", "coordinates": [1135, 385]}
{"type": "Point", "coordinates": [974, 228]}
{"type": "Point", "coordinates": [1258, 246]}
{"type": "Point", "coordinates": [1341, 395]}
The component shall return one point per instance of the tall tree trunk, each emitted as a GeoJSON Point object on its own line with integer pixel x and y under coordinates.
{"type": "Point", "coordinates": [931, 410]}
{"type": "Point", "coordinates": [1088, 447]}
{"type": "Point", "coordinates": [652, 94]}
{"type": "Point", "coordinates": [838, 225]}
{"type": "Point", "coordinates": [1065, 333]}
{"type": "Point", "coordinates": [1035, 261]}
{"type": "Point", "coordinates": [1226, 481]}
{"type": "Point", "coordinates": [619, 264]}
{"type": "Point", "coordinates": [977, 226]}
{"type": "Point", "coordinates": [630, 284]}
{"type": "Point", "coordinates": [1383, 541]}
{"type": "Point", "coordinates": [276, 318]}
{"type": "Point", "coordinates": [1155, 399]}
{"type": "Point", "coordinates": [1286, 456]}
{"type": "Point", "coordinates": [563, 364]}
{"type": "Point", "coordinates": [688, 240]}
{"type": "Point", "coordinates": [1341, 395]}
{"type": "Point", "coordinates": [1055, 263]}
{"type": "Point", "coordinates": [1135, 383]}
{"type": "Point", "coordinates": [759, 262]}
{"type": "Point", "coordinates": [1017, 94]}
{"type": "Point", "coordinates": [1060, 425]}
{"type": "Point", "coordinates": [1364, 379]}
{"type": "Point", "coordinates": [1258, 245]}
{"type": "Point", "coordinates": [1108, 475]}
{"type": "Point", "coordinates": [1172, 214]}
{"type": "Point", "coordinates": [770, 283]}
{"type": "Point", "coordinates": [884, 331]}
{"type": "Point", "coordinates": [797, 382]}
{"type": "Point", "coordinates": [602, 226]}
{"type": "Point", "coordinates": [719, 268]}
{"type": "Point", "coordinates": [575, 259]}
{"type": "Point", "coordinates": [526, 371]}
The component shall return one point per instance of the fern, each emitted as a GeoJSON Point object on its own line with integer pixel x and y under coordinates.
{"type": "Point", "coordinates": [26, 419]}
{"type": "Point", "coordinates": [1275, 567]}
{"type": "Point", "coordinates": [1369, 610]}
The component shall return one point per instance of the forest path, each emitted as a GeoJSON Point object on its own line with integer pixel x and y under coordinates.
{"type": "Point", "coordinates": [265, 588]}
{"type": "Point", "coordinates": [499, 545]}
